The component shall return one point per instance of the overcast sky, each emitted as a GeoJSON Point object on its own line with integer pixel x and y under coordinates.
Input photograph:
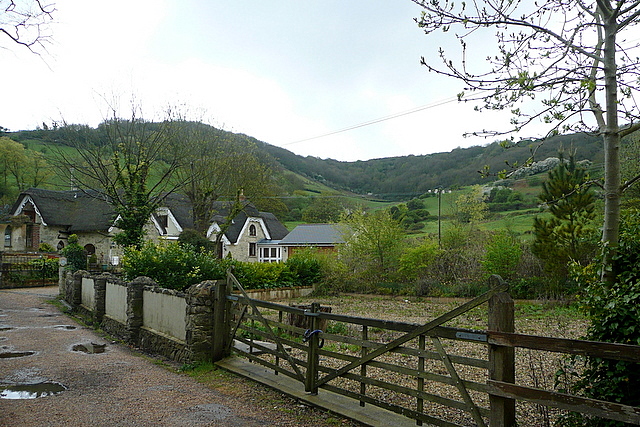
{"type": "Point", "coordinates": [286, 72]}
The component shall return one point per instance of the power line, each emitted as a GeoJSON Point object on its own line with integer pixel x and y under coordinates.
{"type": "Point", "coordinates": [378, 120]}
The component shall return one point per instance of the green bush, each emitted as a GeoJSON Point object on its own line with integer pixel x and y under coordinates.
{"type": "Point", "coordinates": [76, 258]}
{"type": "Point", "coordinates": [304, 266]}
{"type": "Point", "coordinates": [44, 268]}
{"type": "Point", "coordinates": [179, 266]}
{"type": "Point", "coordinates": [263, 275]}
{"type": "Point", "coordinates": [502, 255]}
{"type": "Point", "coordinates": [172, 266]}
{"type": "Point", "coordinates": [45, 247]}
{"type": "Point", "coordinates": [613, 312]}
{"type": "Point", "coordinates": [418, 260]}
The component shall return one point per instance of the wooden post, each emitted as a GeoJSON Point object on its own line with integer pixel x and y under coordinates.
{"type": "Point", "coordinates": [501, 360]}
{"type": "Point", "coordinates": [313, 356]}
{"type": "Point", "coordinates": [363, 368]}
{"type": "Point", "coordinates": [221, 329]}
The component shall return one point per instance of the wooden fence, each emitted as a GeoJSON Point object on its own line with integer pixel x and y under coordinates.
{"type": "Point", "coordinates": [407, 368]}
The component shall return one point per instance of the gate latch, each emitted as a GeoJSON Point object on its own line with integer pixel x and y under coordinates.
{"type": "Point", "coordinates": [309, 333]}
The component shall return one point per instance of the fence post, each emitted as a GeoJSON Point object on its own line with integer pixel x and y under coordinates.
{"type": "Point", "coordinates": [313, 356]}
{"type": "Point", "coordinates": [501, 360]}
{"type": "Point", "coordinates": [221, 327]}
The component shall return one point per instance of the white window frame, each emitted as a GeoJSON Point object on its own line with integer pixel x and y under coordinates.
{"type": "Point", "coordinates": [271, 255]}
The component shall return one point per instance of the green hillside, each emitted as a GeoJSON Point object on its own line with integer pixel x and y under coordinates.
{"type": "Point", "coordinates": [364, 182]}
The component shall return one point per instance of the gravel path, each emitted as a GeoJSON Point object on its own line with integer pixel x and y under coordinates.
{"type": "Point", "coordinates": [114, 388]}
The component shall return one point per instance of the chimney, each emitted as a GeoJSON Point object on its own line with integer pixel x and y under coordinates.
{"type": "Point", "coordinates": [241, 196]}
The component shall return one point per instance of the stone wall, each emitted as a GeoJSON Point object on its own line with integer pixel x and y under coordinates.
{"type": "Point", "coordinates": [194, 341]}
{"type": "Point", "coordinates": [183, 326]}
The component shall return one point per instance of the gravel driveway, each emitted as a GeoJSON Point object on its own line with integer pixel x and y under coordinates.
{"type": "Point", "coordinates": [113, 388]}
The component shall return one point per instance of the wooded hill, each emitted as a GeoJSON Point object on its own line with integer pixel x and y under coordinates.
{"type": "Point", "coordinates": [401, 178]}
{"type": "Point", "coordinates": [393, 178]}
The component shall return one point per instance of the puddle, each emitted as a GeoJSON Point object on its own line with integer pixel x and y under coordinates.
{"type": "Point", "coordinates": [91, 348]}
{"type": "Point", "coordinates": [9, 354]}
{"type": "Point", "coordinates": [31, 391]}
{"type": "Point", "coordinates": [65, 327]}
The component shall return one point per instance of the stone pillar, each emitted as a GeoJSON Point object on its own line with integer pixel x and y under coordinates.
{"type": "Point", "coordinates": [135, 292]}
{"type": "Point", "coordinates": [75, 296]}
{"type": "Point", "coordinates": [221, 321]}
{"type": "Point", "coordinates": [62, 282]}
{"type": "Point", "coordinates": [199, 320]}
{"type": "Point", "coordinates": [100, 297]}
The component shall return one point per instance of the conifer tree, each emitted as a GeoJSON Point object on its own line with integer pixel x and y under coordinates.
{"type": "Point", "coordinates": [567, 235]}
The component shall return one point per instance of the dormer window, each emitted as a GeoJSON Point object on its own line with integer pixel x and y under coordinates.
{"type": "Point", "coordinates": [163, 220]}
{"type": "Point", "coordinates": [252, 230]}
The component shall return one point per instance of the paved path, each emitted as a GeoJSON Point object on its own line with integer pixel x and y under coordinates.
{"type": "Point", "coordinates": [115, 388]}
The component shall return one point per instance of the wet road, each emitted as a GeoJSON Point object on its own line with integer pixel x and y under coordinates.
{"type": "Point", "coordinates": [112, 387]}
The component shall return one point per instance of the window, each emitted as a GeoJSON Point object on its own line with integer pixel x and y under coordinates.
{"type": "Point", "coordinates": [29, 236]}
{"type": "Point", "coordinates": [252, 230]}
{"type": "Point", "coordinates": [163, 221]}
{"type": "Point", "coordinates": [252, 249]}
{"type": "Point", "coordinates": [7, 237]}
{"type": "Point", "coordinates": [270, 254]}
{"type": "Point", "coordinates": [60, 245]}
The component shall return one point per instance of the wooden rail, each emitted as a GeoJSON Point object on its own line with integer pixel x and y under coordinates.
{"type": "Point", "coordinates": [396, 365]}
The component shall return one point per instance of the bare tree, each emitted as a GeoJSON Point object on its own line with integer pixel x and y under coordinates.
{"type": "Point", "coordinates": [129, 162]}
{"type": "Point", "coordinates": [26, 22]}
{"type": "Point", "coordinates": [219, 165]}
{"type": "Point", "coordinates": [565, 63]}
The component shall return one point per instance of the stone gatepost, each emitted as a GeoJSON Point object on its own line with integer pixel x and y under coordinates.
{"type": "Point", "coordinates": [200, 321]}
{"type": "Point", "coordinates": [135, 292]}
{"type": "Point", "coordinates": [75, 296]}
{"type": "Point", "coordinates": [100, 296]}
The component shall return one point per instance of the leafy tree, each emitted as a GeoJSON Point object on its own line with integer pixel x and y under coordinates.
{"type": "Point", "coordinates": [196, 240]}
{"type": "Point", "coordinates": [26, 168]}
{"type": "Point", "coordinates": [415, 204]}
{"type": "Point", "coordinates": [567, 236]}
{"type": "Point", "coordinates": [558, 60]}
{"type": "Point", "coordinates": [417, 261]}
{"type": "Point", "coordinates": [130, 163]}
{"type": "Point", "coordinates": [326, 208]}
{"type": "Point", "coordinates": [471, 206]}
{"type": "Point", "coordinates": [502, 255]}
{"type": "Point", "coordinates": [373, 245]}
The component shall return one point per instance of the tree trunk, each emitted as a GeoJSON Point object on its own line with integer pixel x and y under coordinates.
{"type": "Point", "coordinates": [611, 136]}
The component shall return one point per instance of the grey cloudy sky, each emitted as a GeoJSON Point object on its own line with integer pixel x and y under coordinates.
{"type": "Point", "coordinates": [286, 72]}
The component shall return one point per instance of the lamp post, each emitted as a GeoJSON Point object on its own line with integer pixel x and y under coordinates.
{"type": "Point", "coordinates": [439, 190]}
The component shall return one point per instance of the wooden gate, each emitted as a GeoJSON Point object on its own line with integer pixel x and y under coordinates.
{"type": "Point", "coordinates": [392, 365]}
{"type": "Point", "coordinates": [411, 369]}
